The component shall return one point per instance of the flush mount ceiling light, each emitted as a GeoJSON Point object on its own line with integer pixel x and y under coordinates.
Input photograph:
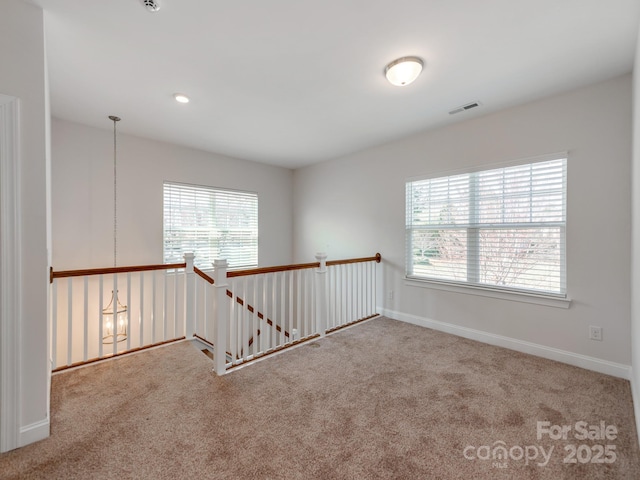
{"type": "Point", "coordinates": [403, 71]}
{"type": "Point", "coordinates": [181, 98]}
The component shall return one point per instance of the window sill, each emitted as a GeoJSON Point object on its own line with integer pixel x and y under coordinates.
{"type": "Point", "coordinates": [538, 299]}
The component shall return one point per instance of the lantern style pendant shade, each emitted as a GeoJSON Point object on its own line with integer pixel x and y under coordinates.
{"type": "Point", "coordinates": [403, 71]}
{"type": "Point", "coordinates": [111, 328]}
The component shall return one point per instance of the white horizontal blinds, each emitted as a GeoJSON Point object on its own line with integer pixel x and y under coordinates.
{"type": "Point", "coordinates": [443, 203]}
{"type": "Point", "coordinates": [532, 193]}
{"type": "Point", "coordinates": [212, 223]}
{"type": "Point", "coordinates": [503, 227]}
{"type": "Point", "coordinates": [236, 216]}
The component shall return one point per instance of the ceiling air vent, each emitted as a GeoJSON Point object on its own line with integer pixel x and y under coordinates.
{"type": "Point", "coordinates": [462, 108]}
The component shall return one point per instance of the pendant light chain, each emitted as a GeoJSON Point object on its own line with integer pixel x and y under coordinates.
{"type": "Point", "coordinates": [115, 200]}
{"type": "Point", "coordinates": [115, 192]}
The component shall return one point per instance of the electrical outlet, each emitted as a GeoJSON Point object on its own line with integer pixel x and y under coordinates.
{"type": "Point", "coordinates": [390, 294]}
{"type": "Point", "coordinates": [595, 333]}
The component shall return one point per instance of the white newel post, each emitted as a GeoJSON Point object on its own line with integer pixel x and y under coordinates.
{"type": "Point", "coordinates": [321, 294]}
{"type": "Point", "coordinates": [222, 316]}
{"type": "Point", "coordinates": [190, 297]}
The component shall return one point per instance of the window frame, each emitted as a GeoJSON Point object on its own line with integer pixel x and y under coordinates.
{"type": "Point", "coordinates": [211, 190]}
{"type": "Point", "coordinates": [560, 299]}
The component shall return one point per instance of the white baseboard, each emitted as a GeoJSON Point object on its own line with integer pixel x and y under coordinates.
{"type": "Point", "coordinates": [34, 432]}
{"type": "Point", "coordinates": [590, 363]}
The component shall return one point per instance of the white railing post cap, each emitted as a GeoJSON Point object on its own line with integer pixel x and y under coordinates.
{"type": "Point", "coordinates": [220, 272]}
{"type": "Point", "coordinates": [322, 258]}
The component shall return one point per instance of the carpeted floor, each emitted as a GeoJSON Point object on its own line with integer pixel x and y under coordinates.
{"type": "Point", "coordinates": [381, 400]}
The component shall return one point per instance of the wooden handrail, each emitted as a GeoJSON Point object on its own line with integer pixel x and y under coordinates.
{"type": "Point", "coordinates": [203, 275]}
{"type": "Point", "coordinates": [280, 268]}
{"type": "Point", "coordinates": [170, 266]}
{"type": "Point", "coordinates": [260, 315]}
{"type": "Point", "coordinates": [377, 258]}
{"type": "Point", "coordinates": [106, 271]}
{"type": "Point", "coordinates": [301, 266]}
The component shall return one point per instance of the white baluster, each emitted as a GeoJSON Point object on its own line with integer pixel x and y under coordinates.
{"type": "Point", "coordinates": [141, 317]}
{"type": "Point", "coordinates": [274, 304]}
{"type": "Point", "coordinates": [69, 321]}
{"type": "Point", "coordinates": [321, 294]}
{"type": "Point", "coordinates": [299, 300]}
{"type": "Point", "coordinates": [283, 306]}
{"type": "Point", "coordinates": [178, 296]}
{"type": "Point", "coordinates": [54, 323]}
{"type": "Point", "coordinates": [293, 325]}
{"type": "Point", "coordinates": [153, 307]}
{"type": "Point", "coordinates": [100, 319]}
{"type": "Point", "coordinates": [310, 313]}
{"type": "Point", "coordinates": [130, 309]}
{"type": "Point", "coordinates": [165, 314]}
{"type": "Point", "coordinates": [360, 312]}
{"type": "Point", "coordinates": [246, 331]}
{"type": "Point", "coordinates": [204, 304]}
{"type": "Point", "coordinates": [85, 339]}
{"type": "Point", "coordinates": [374, 289]}
{"type": "Point", "coordinates": [266, 332]}
{"type": "Point", "coordinates": [255, 321]}
{"type": "Point", "coordinates": [233, 324]}
{"type": "Point", "coordinates": [190, 280]}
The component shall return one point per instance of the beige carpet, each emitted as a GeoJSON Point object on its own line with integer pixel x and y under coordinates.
{"type": "Point", "coordinates": [380, 400]}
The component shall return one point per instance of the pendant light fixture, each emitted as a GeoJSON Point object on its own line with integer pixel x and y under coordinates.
{"type": "Point", "coordinates": [403, 71]}
{"type": "Point", "coordinates": [114, 317]}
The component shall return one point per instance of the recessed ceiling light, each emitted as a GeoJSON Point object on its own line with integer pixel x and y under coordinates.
{"type": "Point", "coordinates": [181, 97]}
{"type": "Point", "coordinates": [151, 5]}
{"type": "Point", "coordinates": [403, 71]}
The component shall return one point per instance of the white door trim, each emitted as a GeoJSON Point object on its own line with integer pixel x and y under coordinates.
{"type": "Point", "coordinates": [10, 273]}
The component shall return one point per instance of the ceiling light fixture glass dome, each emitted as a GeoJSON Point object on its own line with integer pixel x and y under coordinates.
{"type": "Point", "coordinates": [181, 97]}
{"type": "Point", "coordinates": [403, 71]}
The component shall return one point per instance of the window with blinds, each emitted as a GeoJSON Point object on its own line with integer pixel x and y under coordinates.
{"type": "Point", "coordinates": [502, 228]}
{"type": "Point", "coordinates": [212, 223]}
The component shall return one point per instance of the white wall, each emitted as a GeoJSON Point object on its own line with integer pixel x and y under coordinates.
{"type": "Point", "coordinates": [354, 206]}
{"type": "Point", "coordinates": [22, 75]}
{"type": "Point", "coordinates": [635, 249]}
{"type": "Point", "coordinates": [82, 190]}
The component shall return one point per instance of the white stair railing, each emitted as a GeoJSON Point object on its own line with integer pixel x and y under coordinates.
{"type": "Point", "coordinates": [89, 322]}
{"type": "Point", "coordinates": [266, 310]}
{"type": "Point", "coordinates": [240, 315]}
{"type": "Point", "coordinates": [351, 292]}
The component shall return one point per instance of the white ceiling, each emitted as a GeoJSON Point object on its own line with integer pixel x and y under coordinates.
{"type": "Point", "coordinates": [294, 82]}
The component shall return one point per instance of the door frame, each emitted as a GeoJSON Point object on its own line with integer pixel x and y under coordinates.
{"type": "Point", "coordinates": [10, 273]}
